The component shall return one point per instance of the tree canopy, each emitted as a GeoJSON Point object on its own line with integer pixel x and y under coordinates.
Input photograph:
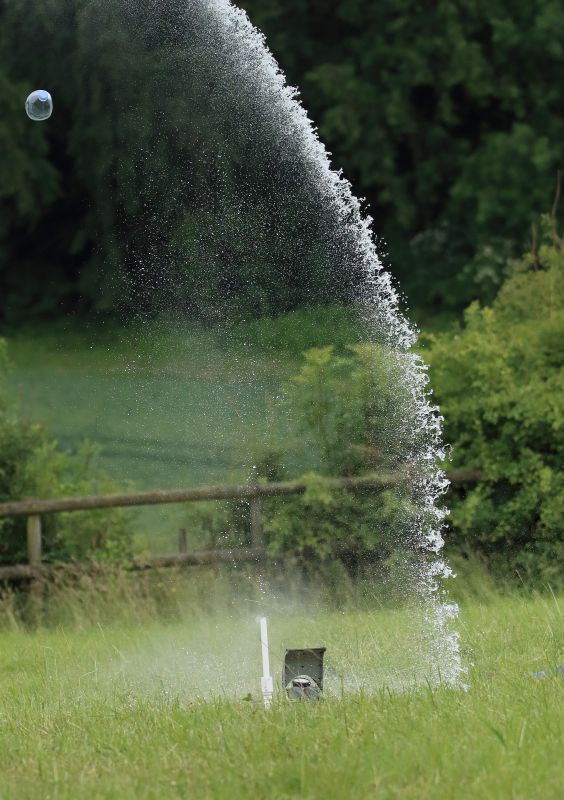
{"type": "Point", "coordinates": [448, 116]}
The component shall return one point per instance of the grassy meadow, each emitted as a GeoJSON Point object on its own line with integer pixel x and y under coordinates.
{"type": "Point", "coordinates": [145, 685]}
{"type": "Point", "coordinates": [174, 408]}
{"type": "Point", "coordinates": [110, 709]}
{"type": "Point", "coordinates": [168, 406]}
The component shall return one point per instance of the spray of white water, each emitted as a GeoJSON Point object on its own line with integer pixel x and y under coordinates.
{"type": "Point", "coordinates": [252, 64]}
{"type": "Point", "coordinates": [277, 199]}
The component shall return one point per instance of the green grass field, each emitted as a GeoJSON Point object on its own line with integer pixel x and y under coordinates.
{"type": "Point", "coordinates": [98, 710]}
{"type": "Point", "coordinates": [168, 406]}
{"type": "Point", "coordinates": [146, 685]}
{"type": "Point", "coordinates": [167, 409]}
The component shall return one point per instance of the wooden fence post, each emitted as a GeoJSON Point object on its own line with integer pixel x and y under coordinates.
{"type": "Point", "coordinates": [182, 541]}
{"type": "Point", "coordinates": [34, 540]}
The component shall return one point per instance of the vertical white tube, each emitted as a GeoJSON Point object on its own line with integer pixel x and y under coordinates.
{"type": "Point", "coordinates": [264, 645]}
{"type": "Point", "coordinates": [266, 683]}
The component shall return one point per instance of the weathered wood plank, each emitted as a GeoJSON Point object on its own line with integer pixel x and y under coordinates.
{"type": "Point", "coordinates": [243, 492]}
{"type": "Point", "coordinates": [256, 522]}
{"type": "Point", "coordinates": [20, 572]}
{"type": "Point", "coordinates": [201, 558]}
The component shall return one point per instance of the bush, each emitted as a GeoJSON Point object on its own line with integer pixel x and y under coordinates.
{"type": "Point", "coordinates": [348, 403]}
{"type": "Point", "coordinates": [300, 330]}
{"type": "Point", "coordinates": [346, 400]}
{"type": "Point", "coordinates": [325, 523]}
{"type": "Point", "coordinates": [31, 465]}
{"type": "Point", "coordinates": [500, 384]}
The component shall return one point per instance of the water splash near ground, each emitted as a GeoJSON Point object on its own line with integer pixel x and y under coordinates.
{"type": "Point", "coordinates": [249, 184]}
{"type": "Point", "coordinates": [385, 322]}
{"type": "Point", "coordinates": [291, 182]}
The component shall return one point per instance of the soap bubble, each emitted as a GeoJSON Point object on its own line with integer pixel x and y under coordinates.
{"type": "Point", "coordinates": [39, 105]}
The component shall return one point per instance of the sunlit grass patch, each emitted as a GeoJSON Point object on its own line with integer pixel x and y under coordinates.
{"type": "Point", "coordinates": [109, 711]}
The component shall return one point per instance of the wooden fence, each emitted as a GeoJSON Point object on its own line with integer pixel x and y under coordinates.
{"type": "Point", "coordinates": [254, 493]}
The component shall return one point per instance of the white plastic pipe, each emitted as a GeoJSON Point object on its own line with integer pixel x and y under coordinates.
{"type": "Point", "coordinates": [266, 683]}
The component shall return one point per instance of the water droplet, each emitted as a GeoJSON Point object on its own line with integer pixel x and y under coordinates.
{"type": "Point", "coordinates": [39, 105]}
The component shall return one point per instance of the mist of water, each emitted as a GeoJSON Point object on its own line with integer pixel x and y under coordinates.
{"type": "Point", "coordinates": [250, 193]}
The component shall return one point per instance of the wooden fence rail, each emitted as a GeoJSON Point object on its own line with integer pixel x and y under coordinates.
{"type": "Point", "coordinates": [25, 508]}
{"type": "Point", "coordinates": [254, 493]}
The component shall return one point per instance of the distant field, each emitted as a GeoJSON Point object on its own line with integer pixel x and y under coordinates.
{"type": "Point", "coordinates": [112, 711]}
{"type": "Point", "coordinates": [168, 406]}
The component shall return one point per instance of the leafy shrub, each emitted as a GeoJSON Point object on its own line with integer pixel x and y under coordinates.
{"type": "Point", "coordinates": [500, 384]}
{"type": "Point", "coordinates": [218, 525]}
{"type": "Point", "coordinates": [31, 465]}
{"type": "Point", "coordinates": [300, 330]}
{"type": "Point", "coordinates": [325, 523]}
{"type": "Point", "coordinates": [348, 405]}
{"type": "Point", "coordinates": [347, 402]}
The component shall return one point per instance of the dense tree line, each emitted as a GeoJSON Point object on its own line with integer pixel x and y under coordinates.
{"type": "Point", "coordinates": [448, 116]}
{"type": "Point", "coordinates": [161, 180]}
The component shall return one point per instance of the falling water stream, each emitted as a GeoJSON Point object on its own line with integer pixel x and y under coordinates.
{"type": "Point", "coordinates": [251, 194]}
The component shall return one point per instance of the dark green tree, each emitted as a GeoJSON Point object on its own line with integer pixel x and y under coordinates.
{"type": "Point", "coordinates": [448, 115]}
{"type": "Point", "coordinates": [149, 181]}
{"type": "Point", "coordinates": [178, 190]}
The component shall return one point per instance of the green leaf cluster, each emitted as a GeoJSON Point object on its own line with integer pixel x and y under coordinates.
{"type": "Point", "coordinates": [325, 524]}
{"type": "Point", "coordinates": [347, 404]}
{"type": "Point", "coordinates": [500, 384]}
{"type": "Point", "coordinates": [31, 465]}
{"type": "Point", "coordinates": [446, 115]}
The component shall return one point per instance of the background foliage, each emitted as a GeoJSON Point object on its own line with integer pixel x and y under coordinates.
{"type": "Point", "coordinates": [163, 184]}
{"type": "Point", "coordinates": [31, 465]}
{"type": "Point", "coordinates": [499, 380]}
{"type": "Point", "coordinates": [447, 116]}
{"type": "Point", "coordinates": [500, 383]}
{"type": "Point", "coordinates": [448, 119]}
